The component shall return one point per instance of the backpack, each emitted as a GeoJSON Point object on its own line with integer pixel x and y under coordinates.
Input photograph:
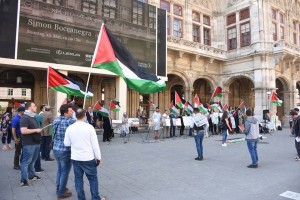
{"type": "Point", "coordinates": [221, 125]}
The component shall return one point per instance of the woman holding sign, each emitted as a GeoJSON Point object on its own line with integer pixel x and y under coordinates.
{"type": "Point", "coordinates": [200, 123]}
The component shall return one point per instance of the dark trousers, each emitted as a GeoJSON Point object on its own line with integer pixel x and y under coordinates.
{"type": "Point", "coordinates": [107, 134]}
{"type": "Point", "coordinates": [181, 130]}
{"type": "Point", "coordinates": [7, 137]}
{"type": "Point", "coordinates": [215, 129]}
{"type": "Point", "coordinates": [172, 131]}
{"type": "Point", "coordinates": [45, 146]}
{"type": "Point", "coordinates": [18, 150]}
{"type": "Point", "coordinates": [297, 145]}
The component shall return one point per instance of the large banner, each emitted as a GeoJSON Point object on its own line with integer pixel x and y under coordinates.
{"type": "Point", "coordinates": [66, 32]}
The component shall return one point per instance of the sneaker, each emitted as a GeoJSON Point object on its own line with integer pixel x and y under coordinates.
{"type": "Point", "coordinates": [24, 184]}
{"type": "Point", "coordinates": [35, 178]}
{"type": "Point", "coordinates": [40, 171]}
{"type": "Point", "coordinates": [252, 166]}
{"type": "Point", "coordinates": [224, 145]}
{"type": "Point", "coordinates": [67, 194]}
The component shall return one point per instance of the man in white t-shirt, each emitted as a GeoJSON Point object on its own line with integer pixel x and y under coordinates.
{"type": "Point", "coordinates": [85, 154]}
{"type": "Point", "coordinates": [156, 120]}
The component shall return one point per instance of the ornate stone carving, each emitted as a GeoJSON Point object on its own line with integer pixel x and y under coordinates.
{"type": "Point", "coordinates": [233, 2]}
{"type": "Point", "coordinates": [204, 3]}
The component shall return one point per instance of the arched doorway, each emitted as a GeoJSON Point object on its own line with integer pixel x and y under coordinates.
{"type": "Point", "coordinates": [202, 87]}
{"type": "Point", "coordinates": [298, 93]}
{"type": "Point", "coordinates": [177, 84]}
{"type": "Point", "coordinates": [241, 89]}
{"type": "Point", "coordinates": [281, 88]}
{"type": "Point", "coordinates": [17, 86]}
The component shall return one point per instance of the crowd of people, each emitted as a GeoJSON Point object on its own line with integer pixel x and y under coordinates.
{"type": "Point", "coordinates": [74, 142]}
{"type": "Point", "coordinates": [69, 135]}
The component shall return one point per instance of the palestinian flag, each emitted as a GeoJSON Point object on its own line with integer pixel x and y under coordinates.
{"type": "Point", "coordinates": [16, 105]}
{"type": "Point", "coordinates": [215, 106]}
{"type": "Point", "coordinates": [111, 55]}
{"type": "Point", "coordinates": [178, 101]}
{"type": "Point", "coordinates": [173, 109]}
{"type": "Point", "coordinates": [151, 104]}
{"type": "Point", "coordinates": [188, 108]}
{"type": "Point", "coordinates": [114, 107]}
{"type": "Point", "coordinates": [275, 99]}
{"type": "Point", "coordinates": [62, 83]}
{"type": "Point", "coordinates": [98, 108]}
{"type": "Point", "coordinates": [225, 107]}
{"type": "Point", "coordinates": [202, 109]}
{"type": "Point", "coordinates": [197, 101]}
{"type": "Point", "coordinates": [217, 92]}
{"type": "Point", "coordinates": [242, 106]}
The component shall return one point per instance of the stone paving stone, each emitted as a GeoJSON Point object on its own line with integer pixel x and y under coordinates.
{"type": "Point", "coordinates": [167, 170]}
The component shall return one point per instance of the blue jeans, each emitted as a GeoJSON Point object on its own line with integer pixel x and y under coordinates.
{"type": "Point", "coordinates": [63, 159]}
{"type": "Point", "coordinates": [29, 156]}
{"type": "Point", "coordinates": [37, 164]}
{"type": "Point", "coordinates": [90, 170]}
{"type": "Point", "coordinates": [198, 141]}
{"type": "Point", "coordinates": [224, 136]}
{"type": "Point", "coordinates": [252, 147]}
{"type": "Point", "coordinates": [191, 132]}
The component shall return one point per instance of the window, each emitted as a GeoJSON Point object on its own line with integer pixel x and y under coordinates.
{"type": "Point", "coordinates": [152, 17]}
{"type": "Point", "coordinates": [274, 31]}
{"type": "Point", "coordinates": [206, 36]}
{"type": "Point", "coordinates": [244, 14]}
{"type": "Point", "coordinates": [295, 38]}
{"type": "Point", "coordinates": [177, 10]}
{"type": "Point", "coordinates": [196, 16]}
{"type": "Point", "coordinates": [165, 5]}
{"type": "Point", "coordinates": [110, 8]}
{"type": "Point", "coordinates": [294, 25]}
{"type": "Point", "coordinates": [245, 35]}
{"type": "Point", "coordinates": [274, 14]}
{"type": "Point", "coordinates": [281, 18]}
{"type": "Point", "coordinates": [24, 92]}
{"type": "Point", "coordinates": [138, 13]}
{"type": "Point", "coordinates": [231, 38]}
{"type": "Point", "coordinates": [10, 92]}
{"type": "Point", "coordinates": [177, 28]}
{"type": "Point", "coordinates": [196, 33]}
{"type": "Point", "coordinates": [89, 6]}
{"type": "Point", "coordinates": [206, 20]}
{"type": "Point", "coordinates": [231, 19]}
{"type": "Point", "coordinates": [281, 32]}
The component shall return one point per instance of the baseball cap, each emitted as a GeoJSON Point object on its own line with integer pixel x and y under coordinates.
{"type": "Point", "coordinates": [20, 109]}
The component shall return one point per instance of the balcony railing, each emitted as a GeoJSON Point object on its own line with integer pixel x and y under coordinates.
{"type": "Point", "coordinates": [196, 48]}
{"type": "Point", "coordinates": [286, 47]}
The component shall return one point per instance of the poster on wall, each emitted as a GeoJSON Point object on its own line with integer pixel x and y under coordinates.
{"type": "Point", "coordinates": [66, 32]}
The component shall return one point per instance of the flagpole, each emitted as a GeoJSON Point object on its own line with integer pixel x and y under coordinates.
{"type": "Point", "coordinates": [212, 95]}
{"type": "Point", "coordinates": [92, 63]}
{"type": "Point", "coordinates": [48, 86]}
{"type": "Point", "coordinates": [238, 107]}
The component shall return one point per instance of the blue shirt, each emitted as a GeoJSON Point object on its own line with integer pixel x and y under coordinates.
{"type": "Point", "coordinates": [16, 124]}
{"type": "Point", "coordinates": [39, 118]}
{"type": "Point", "coordinates": [60, 126]}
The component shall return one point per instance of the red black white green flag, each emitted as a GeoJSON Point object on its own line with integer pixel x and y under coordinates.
{"type": "Point", "coordinates": [173, 109]}
{"type": "Point", "coordinates": [188, 108]}
{"type": "Point", "coordinates": [114, 107]}
{"type": "Point", "coordinates": [196, 100]}
{"type": "Point", "coordinates": [217, 92]}
{"type": "Point", "coordinates": [111, 55]}
{"type": "Point", "coordinates": [98, 108]}
{"type": "Point", "coordinates": [275, 99]}
{"type": "Point", "coordinates": [178, 101]}
{"type": "Point", "coordinates": [62, 83]}
{"type": "Point", "coordinates": [151, 104]}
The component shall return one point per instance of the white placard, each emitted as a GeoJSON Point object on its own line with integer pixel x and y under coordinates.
{"type": "Point", "coordinates": [116, 123]}
{"type": "Point", "coordinates": [168, 122]}
{"type": "Point", "coordinates": [178, 122]}
{"type": "Point", "coordinates": [187, 121]}
{"type": "Point", "coordinates": [290, 195]}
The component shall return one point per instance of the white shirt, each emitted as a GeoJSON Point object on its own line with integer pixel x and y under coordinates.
{"type": "Point", "coordinates": [156, 117]}
{"type": "Point", "coordinates": [83, 140]}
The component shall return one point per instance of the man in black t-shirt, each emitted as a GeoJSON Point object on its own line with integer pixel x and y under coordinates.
{"type": "Point", "coordinates": [31, 143]}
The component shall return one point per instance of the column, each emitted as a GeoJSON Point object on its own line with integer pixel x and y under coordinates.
{"type": "Point", "coordinates": [121, 95]}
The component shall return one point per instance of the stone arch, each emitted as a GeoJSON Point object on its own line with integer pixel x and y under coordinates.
{"type": "Point", "coordinates": [182, 75]}
{"type": "Point", "coordinates": [283, 92]}
{"type": "Point", "coordinates": [239, 88]}
{"type": "Point", "coordinates": [204, 87]}
{"type": "Point", "coordinates": [285, 82]}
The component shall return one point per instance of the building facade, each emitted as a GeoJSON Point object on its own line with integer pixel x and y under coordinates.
{"type": "Point", "coordinates": [248, 47]}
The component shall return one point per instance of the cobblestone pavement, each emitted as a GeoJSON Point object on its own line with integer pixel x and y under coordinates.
{"type": "Point", "coordinates": [166, 170]}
